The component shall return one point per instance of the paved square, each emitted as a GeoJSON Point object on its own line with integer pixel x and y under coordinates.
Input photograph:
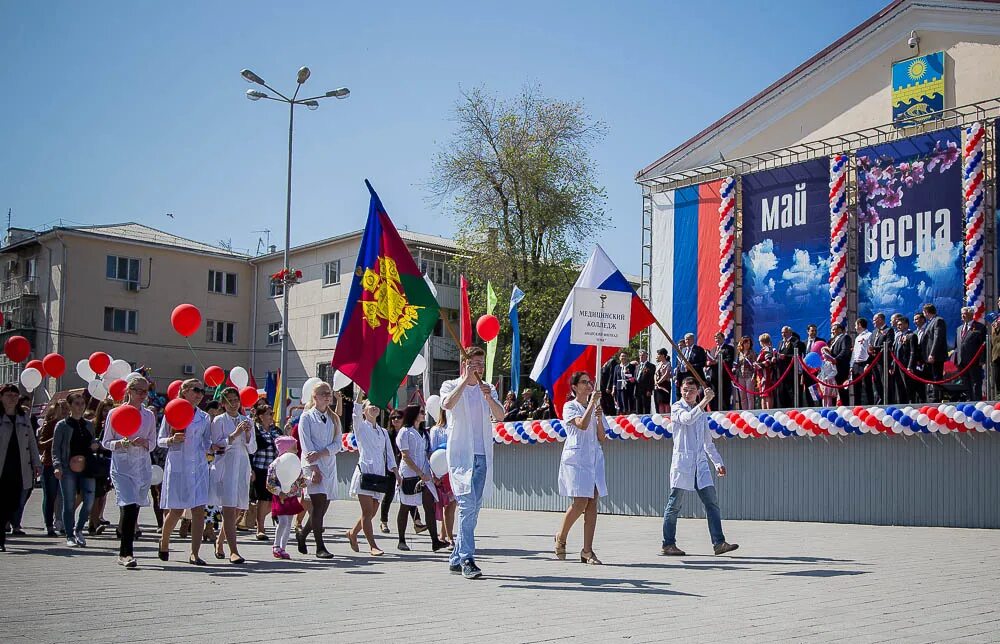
{"type": "Point", "coordinates": [787, 582]}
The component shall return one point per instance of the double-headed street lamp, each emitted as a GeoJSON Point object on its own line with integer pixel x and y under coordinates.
{"type": "Point", "coordinates": [312, 103]}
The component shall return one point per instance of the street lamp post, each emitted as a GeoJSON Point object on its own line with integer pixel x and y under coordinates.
{"type": "Point", "coordinates": [311, 103]}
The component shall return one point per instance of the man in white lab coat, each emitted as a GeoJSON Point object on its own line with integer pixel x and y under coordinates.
{"type": "Point", "coordinates": [689, 468]}
{"type": "Point", "coordinates": [469, 403]}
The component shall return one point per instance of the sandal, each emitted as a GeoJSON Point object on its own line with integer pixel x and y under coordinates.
{"type": "Point", "coordinates": [384, 527]}
{"type": "Point", "coordinates": [560, 548]}
{"type": "Point", "coordinates": [237, 559]}
{"type": "Point", "coordinates": [376, 552]}
{"type": "Point", "coordinates": [195, 560]}
{"type": "Point", "coordinates": [353, 539]}
{"type": "Point", "coordinates": [219, 554]}
{"type": "Point", "coordinates": [261, 536]}
{"type": "Point", "coordinates": [589, 558]}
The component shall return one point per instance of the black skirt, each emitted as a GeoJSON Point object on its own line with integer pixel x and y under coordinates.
{"type": "Point", "coordinates": [258, 491]}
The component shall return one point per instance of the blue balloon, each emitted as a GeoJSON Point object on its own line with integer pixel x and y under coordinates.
{"type": "Point", "coordinates": [813, 360]}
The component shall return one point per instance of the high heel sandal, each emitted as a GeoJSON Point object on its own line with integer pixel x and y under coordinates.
{"type": "Point", "coordinates": [589, 558]}
{"type": "Point", "coordinates": [560, 548]}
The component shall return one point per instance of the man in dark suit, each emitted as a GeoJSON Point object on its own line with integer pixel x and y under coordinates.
{"type": "Point", "coordinates": [624, 379]}
{"type": "Point", "coordinates": [785, 355]}
{"type": "Point", "coordinates": [721, 382]}
{"type": "Point", "coordinates": [695, 355]}
{"type": "Point", "coordinates": [839, 349]}
{"type": "Point", "coordinates": [644, 383]}
{"type": "Point", "coordinates": [608, 386]}
{"type": "Point", "coordinates": [937, 349]}
{"type": "Point", "coordinates": [971, 336]}
{"type": "Point", "coordinates": [907, 350]}
{"type": "Point", "coordinates": [881, 339]}
{"type": "Point", "coordinates": [920, 367]}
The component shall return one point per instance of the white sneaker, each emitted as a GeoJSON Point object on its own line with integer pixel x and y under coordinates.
{"type": "Point", "coordinates": [80, 541]}
{"type": "Point", "coordinates": [70, 542]}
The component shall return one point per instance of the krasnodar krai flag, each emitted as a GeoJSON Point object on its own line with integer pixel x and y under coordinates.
{"type": "Point", "coordinates": [559, 358]}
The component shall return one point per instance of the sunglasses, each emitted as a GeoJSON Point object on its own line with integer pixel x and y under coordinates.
{"type": "Point", "coordinates": [395, 418]}
{"type": "Point", "coordinates": [197, 390]}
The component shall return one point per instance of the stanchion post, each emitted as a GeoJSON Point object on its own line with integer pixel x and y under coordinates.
{"type": "Point", "coordinates": [989, 393]}
{"type": "Point", "coordinates": [795, 376]}
{"type": "Point", "coordinates": [718, 380]}
{"type": "Point", "coordinates": [885, 374]}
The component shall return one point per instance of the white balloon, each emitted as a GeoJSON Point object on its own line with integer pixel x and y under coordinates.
{"type": "Point", "coordinates": [418, 366]}
{"type": "Point", "coordinates": [433, 407]}
{"type": "Point", "coordinates": [307, 387]}
{"type": "Point", "coordinates": [84, 371]}
{"type": "Point", "coordinates": [657, 419]}
{"type": "Point", "coordinates": [439, 462]}
{"type": "Point", "coordinates": [31, 378]}
{"type": "Point", "coordinates": [118, 369]}
{"type": "Point", "coordinates": [288, 467]}
{"type": "Point", "coordinates": [241, 378]}
{"type": "Point", "coordinates": [340, 380]}
{"type": "Point", "coordinates": [156, 475]}
{"type": "Point", "coordinates": [132, 376]}
{"type": "Point", "coordinates": [97, 389]}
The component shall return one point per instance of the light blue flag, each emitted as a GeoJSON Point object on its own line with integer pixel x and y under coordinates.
{"type": "Point", "coordinates": [515, 342]}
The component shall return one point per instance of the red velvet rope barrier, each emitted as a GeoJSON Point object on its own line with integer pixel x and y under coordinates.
{"type": "Point", "coordinates": [864, 374]}
{"type": "Point", "coordinates": [957, 375]}
{"type": "Point", "coordinates": [762, 392]}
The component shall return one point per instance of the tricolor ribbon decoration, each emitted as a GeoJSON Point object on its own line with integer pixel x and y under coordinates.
{"type": "Point", "coordinates": [973, 184]}
{"type": "Point", "coordinates": [727, 258]}
{"type": "Point", "coordinates": [838, 239]}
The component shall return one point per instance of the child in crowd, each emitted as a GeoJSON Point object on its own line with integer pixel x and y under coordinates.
{"type": "Point", "coordinates": [285, 504]}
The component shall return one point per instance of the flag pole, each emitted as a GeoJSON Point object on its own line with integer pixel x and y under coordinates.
{"type": "Point", "coordinates": [458, 343]}
{"type": "Point", "coordinates": [680, 354]}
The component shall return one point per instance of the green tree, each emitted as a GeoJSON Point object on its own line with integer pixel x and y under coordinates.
{"type": "Point", "coordinates": [519, 179]}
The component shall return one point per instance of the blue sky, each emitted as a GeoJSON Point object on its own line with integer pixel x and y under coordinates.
{"type": "Point", "coordinates": [125, 111]}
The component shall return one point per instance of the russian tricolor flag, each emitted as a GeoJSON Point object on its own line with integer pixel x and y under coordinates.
{"type": "Point", "coordinates": [559, 358]}
{"type": "Point", "coordinates": [685, 267]}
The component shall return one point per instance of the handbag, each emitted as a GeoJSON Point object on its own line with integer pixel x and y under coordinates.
{"type": "Point", "coordinates": [98, 466]}
{"type": "Point", "coordinates": [378, 483]}
{"type": "Point", "coordinates": [411, 485]}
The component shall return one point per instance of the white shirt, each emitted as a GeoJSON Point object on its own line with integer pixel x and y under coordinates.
{"type": "Point", "coordinates": [692, 447]}
{"type": "Point", "coordinates": [469, 417]}
{"type": "Point", "coordinates": [860, 351]}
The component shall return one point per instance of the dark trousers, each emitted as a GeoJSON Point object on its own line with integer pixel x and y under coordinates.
{"type": "Point", "coordinates": [973, 381]}
{"type": "Point", "coordinates": [936, 372]}
{"type": "Point", "coordinates": [387, 501]}
{"type": "Point", "coordinates": [844, 394]}
{"type": "Point", "coordinates": [405, 511]}
{"type": "Point", "coordinates": [863, 386]}
{"type": "Point", "coordinates": [10, 502]}
{"type": "Point", "coordinates": [127, 523]}
{"type": "Point", "coordinates": [877, 378]}
{"type": "Point", "coordinates": [50, 490]}
{"type": "Point", "coordinates": [643, 401]}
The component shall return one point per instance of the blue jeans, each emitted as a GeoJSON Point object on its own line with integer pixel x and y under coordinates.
{"type": "Point", "coordinates": [70, 484]}
{"type": "Point", "coordinates": [468, 514]}
{"type": "Point", "coordinates": [711, 501]}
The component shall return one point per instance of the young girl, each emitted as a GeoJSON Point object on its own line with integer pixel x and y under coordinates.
{"type": "Point", "coordinates": [414, 448]}
{"type": "Point", "coordinates": [319, 434]}
{"type": "Point", "coordinates": [374, 457]}
{"type": "Point", "coordinates": [446, 505]}
{"type": "Point", "coordinates": [284, 503]}
{"type": "Point", "coordinates": [232, 492]}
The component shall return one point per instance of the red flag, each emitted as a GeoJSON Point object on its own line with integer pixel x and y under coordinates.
{"type": "Point", "coordinates": [465, 314]}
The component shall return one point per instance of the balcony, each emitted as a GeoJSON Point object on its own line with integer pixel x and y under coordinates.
{"type": "Point", "coordinates": [17, 288]}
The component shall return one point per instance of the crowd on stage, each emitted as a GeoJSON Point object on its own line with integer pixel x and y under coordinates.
{"type": "Point", "coordinates": [897, 359]}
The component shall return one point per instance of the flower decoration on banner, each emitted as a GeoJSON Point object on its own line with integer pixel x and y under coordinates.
{"type": "Point", "coordinates": [287, 276]}
{"type": "Point", "coordinates": [838, 239]}
{"type": "Point", "coordinates": [811, 422]}
{"type": "Point", "coordinates": [727, 255]}
{"type": "Point", "coordinates": [881, 182]}
{"type": "Point", "coordinates": [973, 184]}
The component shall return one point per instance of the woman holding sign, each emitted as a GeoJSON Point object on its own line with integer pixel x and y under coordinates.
{"type": "Point", "coordinates": [581, 468]}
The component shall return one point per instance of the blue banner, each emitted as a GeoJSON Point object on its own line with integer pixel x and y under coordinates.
{"type": "Point", "coordinates": [910, 226]}
{"type": "Point", "coordinates": [786, 249]}
{"type": "Point", "coordinates": [516, 295]}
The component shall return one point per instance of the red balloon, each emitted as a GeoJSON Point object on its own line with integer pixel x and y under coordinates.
{"type": "Point", "coordinates": [214, 376]}
{"type": "Point", "coordinates": [17, 348]}
{"type": "Point", "coordinates": [117, 390]}
{"type": "Point", "coordinates": [174, 389]}
{"type": "Point", "coordinates": [488, 327]}
{"type": "Point", "coordinates": [186, 319]}
{"type": "Point", "coordinates": [36, 364]}
{"type": "Point", "coordinates": [249, 396]}
{"type": "Point", "coordinates": [125, 419]}
{"type": "Point", "coordinates": [55, 365]}
{"type": "Point", "coordinates": [99, 362]}
{"type": "Point", "coordinates": [179, 413]}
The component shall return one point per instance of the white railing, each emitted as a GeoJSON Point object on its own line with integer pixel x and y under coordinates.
{"type": "Point", "coordinates": [18, 287]}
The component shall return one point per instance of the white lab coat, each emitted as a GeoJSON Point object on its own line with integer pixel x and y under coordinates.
{"type": "Point", "coordinates": [693, 447]}
{"type": "Point", "coordinates": [375, 454]}
{"type": "Point", "coordinates": [186, 472]}
{"type": "Point", "coordinates": [131, 468]}
{"type": "Point", "coordinates": [231, 488]}
{"type": "Point", "coordinates": [470, 414]}
{"type": "Point", "coordinates": [581, 468]}
{"type": "Point", "coordinates": [317, 434]}
{"type": "Point", "coordinates": [410, 440]}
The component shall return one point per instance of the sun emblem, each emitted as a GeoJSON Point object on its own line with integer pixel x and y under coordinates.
{"type": "Point", "coordinates": [917, 69]}
{"type": "Point", "coordinates": [390, 302]}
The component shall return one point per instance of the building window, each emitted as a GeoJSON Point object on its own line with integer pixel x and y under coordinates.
{"type": "Point", "coordinates": [219, 282]}
{"type": "Point", "coordinates": [120, 320]}
{"type": "Point", "coordinates": [323, 372]}
{"type": "Point", "coordinates": [273, 333]}
{"type": "Point", "coordinates": [222, 332]}
{"type": "Point", "coordinates": [276, 290]}
{"type": "Point", "coordinates": [437, 266]}
{"type": "Point", "coordinates": [125, 269]}
{"type": "Point", "coordinates": [330, 324]}
{"type": "Point", "coordinates": [331, 273]}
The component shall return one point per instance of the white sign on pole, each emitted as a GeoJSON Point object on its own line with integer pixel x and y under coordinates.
{"type": "Point", "coordinates": [601, 317]}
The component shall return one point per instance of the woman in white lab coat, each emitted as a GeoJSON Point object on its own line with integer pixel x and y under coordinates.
{"type": "Point", "coordinates": [375, 456]}
{"type": "Point", "coordinates": [414, 444]}
{"type": "Point", "coordinates": [186, 473]}
{"type": "Point", "coordinates": [131, 468]}
{"type": "Point", "coordinates": [319, 438]}
{"type": "Point", "coordinates": [581, 468]}
{"type": "Point", "coordinates": [232, 491]}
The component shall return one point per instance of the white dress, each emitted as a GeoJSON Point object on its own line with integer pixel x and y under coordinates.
{"type": "Point", "coordinates": [186, 474]}
{"type": "Point", "coordinates": [232, 489]}
{"type": "Point", "coordinates": [410, 440]}
{"type": "Point", "coordinates": [581, 468]}
{"type": "Point", "coordinates": [319, 431]}
{"type": "Point", "coordinates": [375, 454]}
{"type": "Point", "coordinates": [131, 468]}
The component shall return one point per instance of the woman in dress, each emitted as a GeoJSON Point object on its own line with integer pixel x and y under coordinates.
{"type": "Point", "coordinates": [374, 457]}
{"type": "Point", "coordinates": [319, 437]}
{"type": "Point", "coordinates": [746, 361]}
{"type": "Point", "coordinates": [581, 468]}
{"type": "Point", "coordinates": [131, 468]}
{"type": "Point", "coordinates": [232, 492]}
{"type": "Point", "coordinates": [266, 432]}
{"type": "Point", "coordinates": [186, 475]}
{"type": "Point", "coordinates": [19, 460]}
{"type": "Point", "coordinates": [766, 361]}
{"type": "Point", "coordinates": [414, 444]}
{"type": "Point", "coordinates": [73, 442]}
{"type": "Point", "coordinates": [662, 379]}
